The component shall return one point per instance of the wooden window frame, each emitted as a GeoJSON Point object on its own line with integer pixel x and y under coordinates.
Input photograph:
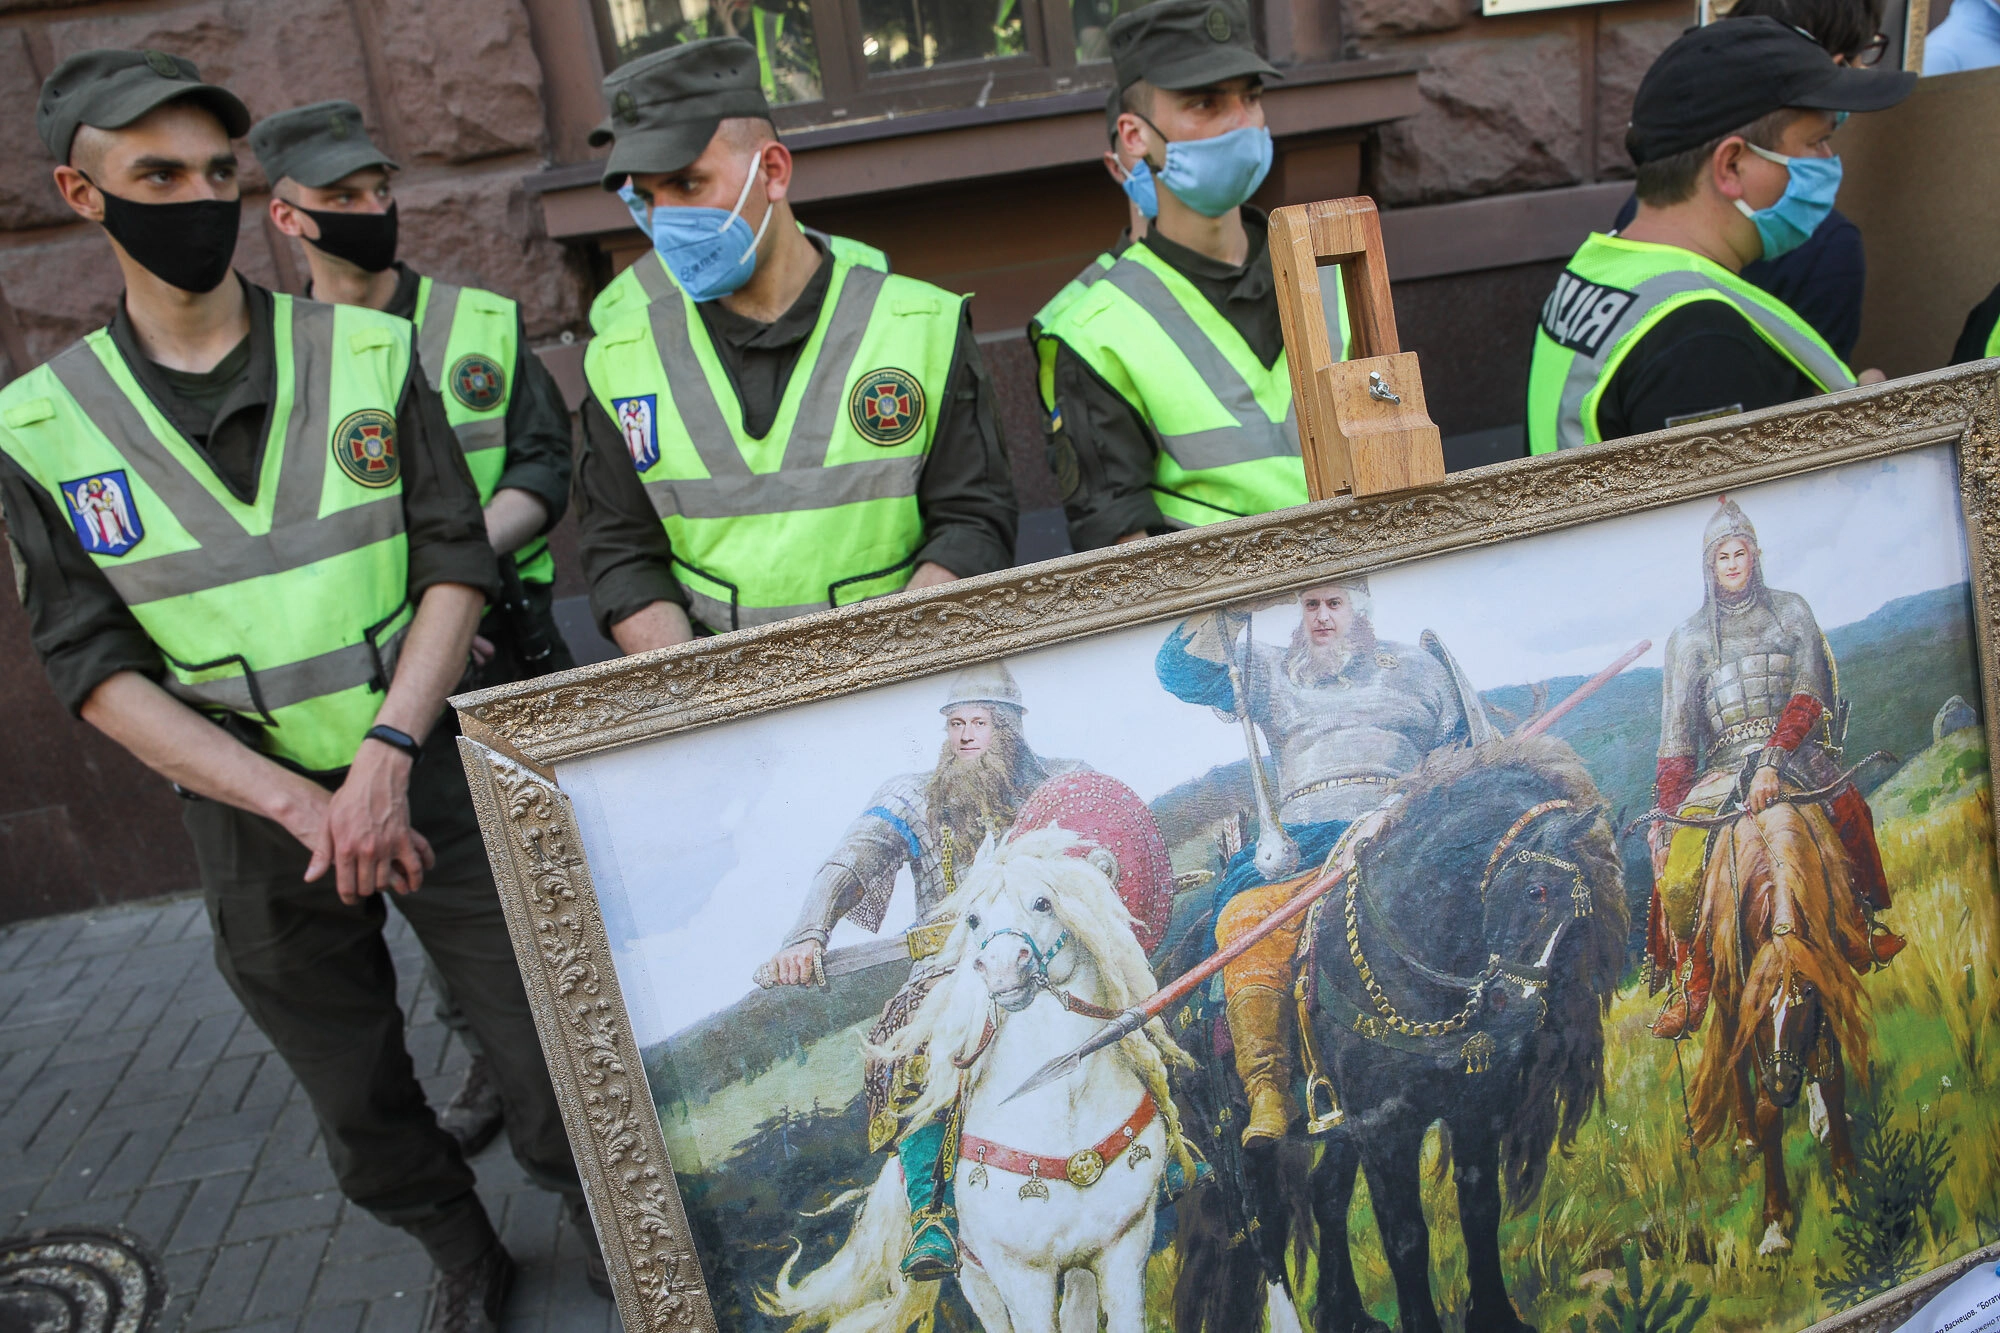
{"type": "Point", "coordinates": [852, 94]}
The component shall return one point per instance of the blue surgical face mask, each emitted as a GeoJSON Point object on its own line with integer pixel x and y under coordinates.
{"type": "Point", "coordinates": [1807, 199]}
{"type": "Point", "coordinates": [1141, 189]}
{"type": "Point", "coordinates": [710, 253]}
{"type": "Point", "coordinates": [1213, 176]}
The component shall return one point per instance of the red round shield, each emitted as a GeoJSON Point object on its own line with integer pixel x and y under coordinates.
{"type": "Point", "coordinates": [1107, 814]}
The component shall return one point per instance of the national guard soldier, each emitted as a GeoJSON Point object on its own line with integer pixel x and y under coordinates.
{"type": "Point", "coordinates": [1652, 327]}
{"type": "Point", "coordinates": [1142, 205]}
{"type": "Point", "coordinates": [1346, 715]}
{"type": "Point", "coordinates": [330, 188]}
{"type": "Point", "coordinates": [250, 553]}
{"type": "Point", "coordinates": [787, 430]}
{"type": "Point", "coordinates": [1170, 377]}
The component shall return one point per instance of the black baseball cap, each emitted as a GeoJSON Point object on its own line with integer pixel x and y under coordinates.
{"type": "Point", "coordinates": [1183, 44]}
{"type": "Point", "coordinates": [109, 89]}
{"type": "Point", "coordinates": [665, 106]}
{"type": "Point", "coordinates": [1716, 80]}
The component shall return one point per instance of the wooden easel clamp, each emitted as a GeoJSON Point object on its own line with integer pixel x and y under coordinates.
{"type": "Point", "coordinates": [1363, 426]}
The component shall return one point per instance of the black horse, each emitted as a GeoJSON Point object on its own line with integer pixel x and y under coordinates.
{"type": "Point", "coordinates": [1461, 974]}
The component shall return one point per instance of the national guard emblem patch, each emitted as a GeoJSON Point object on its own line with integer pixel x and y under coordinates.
{"type": "Point", "coordinates": [102, 511]}
{"type": "Point", "coordinates": [636, 418]}
{"type": "Point", "coordinates": [365, 447]}
{"type": "Point", "coordinates": [887, 406]}
{"type": "Point", "coordinates": [478, 383]}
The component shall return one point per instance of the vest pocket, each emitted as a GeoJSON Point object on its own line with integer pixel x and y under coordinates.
{"type": "Point", "coordinates": [860, 587]}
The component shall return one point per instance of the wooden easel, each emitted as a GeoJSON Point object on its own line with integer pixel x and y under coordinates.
{"type": "Point", "coordinates": [1363, 427]}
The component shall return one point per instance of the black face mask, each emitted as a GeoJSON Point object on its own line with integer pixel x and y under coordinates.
{"type": "Point", "coordinates": [365, 240]}
{"type": "Point", "coordinates": [188, 245]}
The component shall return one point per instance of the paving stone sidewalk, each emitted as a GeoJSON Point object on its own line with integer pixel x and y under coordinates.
{"type": "Point", "coordinates": [134, 1092]}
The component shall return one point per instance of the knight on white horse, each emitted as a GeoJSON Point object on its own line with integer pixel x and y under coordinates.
{"type": "Point", "coordinates": [1061, 1182]}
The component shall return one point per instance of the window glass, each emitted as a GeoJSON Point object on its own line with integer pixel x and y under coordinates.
{"type": "Point", "coordinates": [920, 34]}
{"type": "Point", "coordinates": [1090, 18]}
{"type": "Point", "coordinates": [781, 30]}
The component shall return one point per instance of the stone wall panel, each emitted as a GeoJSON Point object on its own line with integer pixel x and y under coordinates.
{"type": "Point", "coordinates": [1625, 51]}
{"type": "Point", "coordinates": [28, 196]}
{"type": "Point", "coordinates": [462, 75]}
{"type": "Point", "coordinates": [1500, 114]}
{"type": "Point", "coordinates": [483, 230]}
{"type": "Point", "coordinates": [307, 52]}
{"type": "Point", "coordinates": [1363, 19]}
{"type": "Point", "coordinates": [60, 289]}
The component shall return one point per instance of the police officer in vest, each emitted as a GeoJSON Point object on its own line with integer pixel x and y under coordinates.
{"type": "Point", "coordinates": [1142, 205]}
{"type": "Point", "coordinates": [785, 430]}
{"type": "Point", "coordinates": [1980, 338]}
{"type": "Point", "coordinates": [330, 188]}
{"type": "Point", "coordinates": [1171, 382]}
{"type": "Point", "coordinates": [1651, 327]}
{"type": "Point", "coordinates": [250, 553]}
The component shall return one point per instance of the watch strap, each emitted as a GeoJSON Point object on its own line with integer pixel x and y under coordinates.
{"type": "Point", "coordinates": [400, 740]}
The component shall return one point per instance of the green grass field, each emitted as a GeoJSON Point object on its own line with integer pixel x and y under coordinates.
{"type": "Point", "coordinates": [1629, 1180]}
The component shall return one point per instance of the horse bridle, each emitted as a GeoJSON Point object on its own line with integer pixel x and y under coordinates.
{"type": "Point", "coordinates": [1532, 979]}
{"type": "Point", "coordinates": [1038, 981]}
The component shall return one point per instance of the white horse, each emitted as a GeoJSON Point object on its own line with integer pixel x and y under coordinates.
{"type": "Point", "coordinates": [1041, 941]}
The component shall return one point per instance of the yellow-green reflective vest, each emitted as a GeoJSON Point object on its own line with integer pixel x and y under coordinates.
{"type": "Point", "coordinates": [820, 512]}
{"type": "Point", "coordinates": [287, 611]}
{"type": "Point", "coordinates": [646, 280]}
{"type": "Point", "coordinates": [1611, 295]}
{"type": "Point", "coordinates": [468, 341]}
{"type": "Point", "coordinates": [1993, 340]}
{"type": "Point", "coordinates": [1223, 422]}
{"type": "Point", "coordinates": [1038, 327]}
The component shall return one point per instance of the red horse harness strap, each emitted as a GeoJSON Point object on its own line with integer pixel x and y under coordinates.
{"type": "Point", "coordinates": [1079, 1169]}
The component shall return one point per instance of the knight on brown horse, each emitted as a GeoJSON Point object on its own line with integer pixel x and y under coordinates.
{"type": "Point", "coordinates": [1750, 713]}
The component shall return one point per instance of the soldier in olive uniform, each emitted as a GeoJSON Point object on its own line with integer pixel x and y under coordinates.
{"type": "Point", "coordinates": [250, 553]}
{"type": "Point", "coordinates": [330, 188]}
{"type": "Point", "coordinates": [784, 428]}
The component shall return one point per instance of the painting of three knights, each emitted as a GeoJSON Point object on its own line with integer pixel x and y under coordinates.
{"type": "Point", "coordinates": [1137, 1057]}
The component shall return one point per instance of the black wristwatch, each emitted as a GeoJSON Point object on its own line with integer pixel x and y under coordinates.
{"type": "Point", "coordinates": [401, 740]}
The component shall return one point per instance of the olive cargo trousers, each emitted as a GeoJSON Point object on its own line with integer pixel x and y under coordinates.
{"type": "Point", "coordinates": [316, 977]}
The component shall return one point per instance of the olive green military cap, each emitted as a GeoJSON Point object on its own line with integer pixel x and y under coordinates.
{"type": "Point", "coordinates": [1181, 44]}
{"type": "Point", "coordinates": [315, 145]}
{"type": "Point", "coordinates": [665, 106]}
{"type": "Point", "coordinates": [108, 90]}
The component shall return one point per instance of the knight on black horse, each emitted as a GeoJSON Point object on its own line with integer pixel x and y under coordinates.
{"type": "Point", "coordinates": [1460, 975]}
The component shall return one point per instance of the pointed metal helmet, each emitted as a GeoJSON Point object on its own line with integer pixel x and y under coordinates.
{"type": "Point", "coordinates": [1727, 521]}
{"type": "Point", "coordinates": [988, 683]}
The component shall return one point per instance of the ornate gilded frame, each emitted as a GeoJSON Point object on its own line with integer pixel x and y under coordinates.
{"type": "Point", "coordinates": [514, 734]}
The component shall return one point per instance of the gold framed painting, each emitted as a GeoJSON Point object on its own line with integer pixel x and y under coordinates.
{"type": "Point", "coordinates": [1563, 896]}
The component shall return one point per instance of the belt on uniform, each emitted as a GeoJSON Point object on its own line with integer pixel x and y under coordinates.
{"type": "Point", "coordinates": [1327, 784]}
{"type": "Point", "coordinates": [1079, 1168]}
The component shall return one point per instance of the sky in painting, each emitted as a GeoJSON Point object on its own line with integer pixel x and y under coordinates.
{"type": "Point", "coordinates": [703, 846]}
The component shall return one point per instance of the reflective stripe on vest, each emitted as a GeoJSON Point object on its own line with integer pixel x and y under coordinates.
{"type": "Point", "coordinates": [455, 325]}
{"type": "Point", "coordinates": [1224, 422]}
{"type": "Point", "coordinates": [818, 513]}
{"type": "Point", "coordinates": [646, 280]}
{"type": "Point", "coordinates": [1038, 327]}
{"type": "Point", "coordinates": [288, 609]}
{"type": "Point", "coordinates": [1611, 295]}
